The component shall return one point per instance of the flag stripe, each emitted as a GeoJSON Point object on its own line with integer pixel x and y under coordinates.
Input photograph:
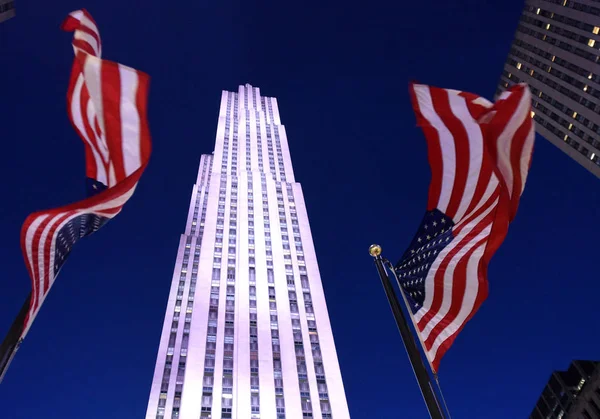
{"type": "Point", "coordinates": [111, 102]}
{"type": "Point", "coordinates": [130, 123]}
{"type": "Point", "coordinates": [434, 149]}
{"type": "Point", "coordinates": [462, 239]}
{"type": "Point", "coordinates": [468, 301]}
{"type": "Point", "coordinates": [429, 118]}
{"type": "Point", "coordinates": [456, 131]}
{"type": "Point", "coordinates": [141, 101]}
{"type": "Point", "coordinates": [474, 155]}
{"type": "Point", "coordinates": [456, 277]}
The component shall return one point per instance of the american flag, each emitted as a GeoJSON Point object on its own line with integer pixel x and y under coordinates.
{"type": "Point", "coordinates": [479, 153]}
{"type": "Point", "coordinates": [107, 106]}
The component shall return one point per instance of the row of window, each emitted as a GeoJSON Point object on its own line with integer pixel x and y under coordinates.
{"type": "Point", "coordinates": [182, 356]}
{"type": "Point", "coordinates": [254, 364]}
{"type": "Point", "coordinates": [275, 346]}
{"type": "Point", "coordinates": [212, 329]}
{"type": "Point", "coordinates": [582, 39]}
{"type": "Point", "coordinates": [567, 46]}
{"type": "Point", "coordinates": [171, 355]}
{"type": "Point", "coordinates": [202, 193]}
{"type": "Point", "coordinates": [301, 366]}
{"type": "Point", "coordinates": [577, 6]}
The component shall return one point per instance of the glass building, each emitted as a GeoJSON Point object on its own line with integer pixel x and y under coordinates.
{"type": "Point", "coordinates": [246, 332]}
{"type": "Point", "coordinates": [556, 51]}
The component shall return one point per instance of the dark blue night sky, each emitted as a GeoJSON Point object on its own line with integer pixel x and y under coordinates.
{"type": "Point", "coordinates": [340, 71]}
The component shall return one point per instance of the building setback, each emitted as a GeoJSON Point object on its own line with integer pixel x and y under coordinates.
{"type": "Point", "coordinates": [556, 51]}
{"type": "Point", "coordinates": [246, 332]}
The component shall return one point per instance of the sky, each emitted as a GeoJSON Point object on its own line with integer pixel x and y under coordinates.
{"type": "Point", "coordinates": [340, 71]}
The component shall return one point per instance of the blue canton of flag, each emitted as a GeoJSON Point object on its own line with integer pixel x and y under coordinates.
{"type": "Point", "coordinates": [77, 228]}
{"type": "Point", "coordinates": [434, 234]}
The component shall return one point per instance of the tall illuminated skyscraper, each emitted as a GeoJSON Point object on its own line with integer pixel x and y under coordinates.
{"type": "Point", "coordinates": [556, 51]}
{"type": "Point", "coordinates": [246, 331]}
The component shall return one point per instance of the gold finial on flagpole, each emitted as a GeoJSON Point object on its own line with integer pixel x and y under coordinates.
{"type": "Point", "coordinates": [375, 250]}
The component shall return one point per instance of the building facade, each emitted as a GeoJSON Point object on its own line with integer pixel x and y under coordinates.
{"type": "Point", "coordinates": [246, 332]}
{"type": "Point", "coordinates": [571, 394]}
{"type": "Point", "coordinates": [7, 9]}
{"type": "Point", "coordinates": [556, 51]}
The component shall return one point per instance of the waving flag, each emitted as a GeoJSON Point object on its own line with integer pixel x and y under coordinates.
{"type": "Point", "coordinates": [479, 155]}
{"type": "Point", "coordinates": [107, 107]}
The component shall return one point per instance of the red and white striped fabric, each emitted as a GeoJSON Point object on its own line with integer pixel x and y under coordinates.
{"type": "Point", "coordinates": [107, 105]}
{"type": "Point", "coordinates": [479, 153]}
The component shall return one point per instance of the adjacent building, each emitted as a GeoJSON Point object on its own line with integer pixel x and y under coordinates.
{"type": "Point", "coordinates": [556, 51]}
{"type": "Point", "coordinates": [246, 332]}
{"type": "Point", "coordinates": [571, 394]}
{"type": "Point", "coordinates": [7, 9]}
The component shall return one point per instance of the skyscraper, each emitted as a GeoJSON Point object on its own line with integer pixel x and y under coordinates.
{"type": "Point", "coordinates": [556, 51]}
{"type": "Point", "coordinates": [246, 332]}
{"type": "Point", "coordinates": [571, 394]}
{"type": "Point", "coordinates": [7, 9]}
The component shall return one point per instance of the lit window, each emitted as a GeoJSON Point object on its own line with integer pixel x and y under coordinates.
{"type": "Point", "coordinates": [591, 42]}
{"type": "Point", "coordinates": [538, 11]}
{"type": "Point", "coordinates": [592, 156]}
{"type": "Point", "coordinates": [532, 114]}
{"type": "Point", "coordinates": [585, 88]}
{"type": "Point", "coordinates": [566, 137]}
{"type": "Point", "coordinates": [574, 114]}
{"type": "Point", "coordinates": [519, 66]}
{"type": "Point", "coordinates": [553, 58]}
{"type": "Point", "coordinates": [590, 76]}
{"type": "Point", "coordinates": [596, 30]}
{"type": "Point", "coordinates": [564, 2]}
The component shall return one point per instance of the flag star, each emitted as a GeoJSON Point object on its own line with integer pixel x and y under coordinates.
{"type": "Point", "coordinates": [425, 226]}
{"type": "Point", "coordinates": [443, 221]}
{"type": "Point", "coordinates": [428, 237]}
{"type": "Point", "coordinates": [434, 223]}
{"type": "Point", "coordinates": [419, 240]}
